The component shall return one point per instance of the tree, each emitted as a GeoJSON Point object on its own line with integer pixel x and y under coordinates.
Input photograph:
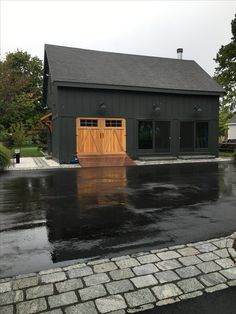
{"type": "Point", "coordinates": [225, 72]}
{"type": "Point", "coordinates": [21, 79]}
{"type": "Point", "coordinates": [225, 75]}
{"type": "Point", "coordinates": [18, 135]}
{"type": "Point", "coordinates": [5, 160]}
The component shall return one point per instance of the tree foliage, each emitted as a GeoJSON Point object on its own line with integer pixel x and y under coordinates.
{"type": "Point", "coordinates": [20, 91]}
{"type": "Point", "coordinates": [225, 75]}
{"type": "Point", "coordinates": [18, 134]}
{"type": "Point", "coordinates": [4, 157]}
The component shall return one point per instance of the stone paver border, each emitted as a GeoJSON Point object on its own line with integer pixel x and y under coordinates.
{"type": "Point", "coordinates": [41, 163]}
{"type": "Point", "coordinates": [124, 284]}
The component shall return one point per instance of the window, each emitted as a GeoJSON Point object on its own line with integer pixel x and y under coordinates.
{"type": "Point", "coordinates": [193, 135]}
{"type": "Point", "coordinates": [114, 123]}
{"type": "Point", "coordinates": [186, 136]}
{"type": "Point", "coordinates": [162, 136]}
{"type": "Point", "coordinates": [201, 135]}
{"type": "Point", "coordinates": [145, 135]}
{"type": "Point", "coordinates": [89, 122]}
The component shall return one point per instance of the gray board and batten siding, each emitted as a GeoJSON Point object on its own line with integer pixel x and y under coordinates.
{"type": "Point", "coordinates": [130, 87]}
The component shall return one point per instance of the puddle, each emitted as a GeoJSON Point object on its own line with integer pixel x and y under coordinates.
{"type": "Point", "coordinates": [48, 218]}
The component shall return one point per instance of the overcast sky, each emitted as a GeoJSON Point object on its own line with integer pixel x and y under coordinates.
{"type": "Point", "coordinates": [145, 27]}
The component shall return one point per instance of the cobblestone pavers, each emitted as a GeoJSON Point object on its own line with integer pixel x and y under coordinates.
{"type": "Point", "coordinates": [92, 292]}
{"type": "Point", "coordinates": [190, 285]}
{"type": "Point", "coordinates": [208, 267]}
{"type": "Point", "coordinates": [144, 281]}
{"type": "Point", "coordinates": [212, 279]}
{"type": "Point", "coordinates": [124, 284]}
{"type": "Point", "coordinates": [33, 306]}
{"type": "Point", "coordinates": [62, 299]}
{"type": "Point", "coordinates": [105, 267]}
{"type": "Point", "coordinates": [129, 262]}
{"type": "Point", "coordinates": [190, 260]}
{"type": "Point", "coordinates": [24, 283]}
{"type": "Point", "coordinates": [121, 274]}
{"type": "Point", "coordinates": [96, 279]}
{"type": "Point", "coordinates": [110, 303]}
{"type": "Point", "coordinates": [119, 286]}
{"type": "Point", "coordinates": [54, 277]}
{"type": "Point", "coordinates": [169, 264]}
{"type": "Point", "coordinates": [83, 308]}
{"type": "Point", "coordinates": [167, 276]}
{"type": "Point", "coordinates": [39, 291]}
{"type": "Point", "coordinates": [140, 297]}
{"type": "Point", "coordinates": [80, 272]}
{"type": "Point", "coordinates": [187, 272]}
{"type": "Point", "coordinates": [145, 269]}
{"type": "Point", "coordinates": [166, 291]}
{"type": "Point", "coordinates": [187, 251]}
{"type": "Point", "coordinates": [229, 273]}
{"type": "Point", "coordinates": [168, 255]}
{"type": "Point", "coordinates": [150, 258]}
{"type": "Point", "coordinates": [68, 285]}
{"type": "Point", "coordinates": [5, 287]}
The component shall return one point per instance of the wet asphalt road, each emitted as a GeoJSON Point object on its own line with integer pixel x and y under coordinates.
{"type": "Point", "coordinates": [51, 217]}
{"type": "Point", "coordinates": [220, 302]}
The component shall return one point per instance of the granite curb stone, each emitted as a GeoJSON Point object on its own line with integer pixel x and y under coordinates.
{"type": "Point", "coordinates": [125, 284]}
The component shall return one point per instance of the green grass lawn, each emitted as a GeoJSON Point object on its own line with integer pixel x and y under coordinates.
{"type": "Point", "coordinates": [30, 151]}
{"type": "Point", "coordinates": [225, 154]}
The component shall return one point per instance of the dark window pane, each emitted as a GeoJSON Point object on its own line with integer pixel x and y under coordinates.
{"type": "Point", "coordinates": [186, 136]}
{"type": "Point", "coordinates": [201, 134]}
{"type": "Point", "coordinates": [162, 136]}
{"type": "Point", "coordinates": [113, 123]}
{"type": "Point", "coordinates": [84, 122]}
{"type": "Point", "coordinates": [145, 135]}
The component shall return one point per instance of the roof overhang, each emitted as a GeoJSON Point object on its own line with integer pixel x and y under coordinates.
{"type": "Point", "coordinates": [137, 88]}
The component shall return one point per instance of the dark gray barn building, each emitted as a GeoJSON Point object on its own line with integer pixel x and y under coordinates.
{"type": "Point", "coordinates": [110, 103]}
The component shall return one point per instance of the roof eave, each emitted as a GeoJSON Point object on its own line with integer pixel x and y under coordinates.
{"type": "Point", "coordinates": [137, 88]}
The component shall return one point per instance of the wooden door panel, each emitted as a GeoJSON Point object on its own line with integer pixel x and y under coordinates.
{"type": "Point", "coordinates": [100, 139]}
{"type": "Point", "coordinates": [88, 141]}
{"type": "Point", "coordinates": [113, 142]}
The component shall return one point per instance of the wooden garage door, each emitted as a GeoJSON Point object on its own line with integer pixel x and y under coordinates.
{"type": "Point", "coordinates": [100, 136]}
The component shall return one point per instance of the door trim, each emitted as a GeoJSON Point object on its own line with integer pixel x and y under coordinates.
{"type": "Point", "coordinates": [102, 127]}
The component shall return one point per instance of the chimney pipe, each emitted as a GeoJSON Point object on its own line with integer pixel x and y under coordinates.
{"type": "Point", "coordinates": [180, 53]}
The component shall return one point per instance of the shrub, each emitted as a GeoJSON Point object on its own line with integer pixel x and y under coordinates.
{"type": "Point", "coordinates": [18, 134]}
{"type": "Point", "coordinates": [5, 156]}
{"type": "Point", "coordinates": [234, 155]}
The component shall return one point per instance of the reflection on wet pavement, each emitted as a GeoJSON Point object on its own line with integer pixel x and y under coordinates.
{"type": "Point", "coordinates": [50, 217]}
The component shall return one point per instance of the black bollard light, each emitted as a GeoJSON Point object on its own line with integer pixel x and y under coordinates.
{"type": "Point", "coordinates": [17, 155]}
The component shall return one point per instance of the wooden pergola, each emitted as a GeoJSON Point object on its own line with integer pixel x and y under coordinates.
{"type": "Point", "coordinates": [47, 120]}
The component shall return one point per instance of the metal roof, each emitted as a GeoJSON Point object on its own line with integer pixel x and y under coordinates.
{"type": "Point", "coordinates": [75, 65]}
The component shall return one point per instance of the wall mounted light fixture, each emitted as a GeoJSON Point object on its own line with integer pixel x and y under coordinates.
{"type": "Point", "coordinates": [156, 109]}
{"type": "Point", "coordinates": [197, 109]}
{"type": "Point", "coordinates": [102, 107]}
